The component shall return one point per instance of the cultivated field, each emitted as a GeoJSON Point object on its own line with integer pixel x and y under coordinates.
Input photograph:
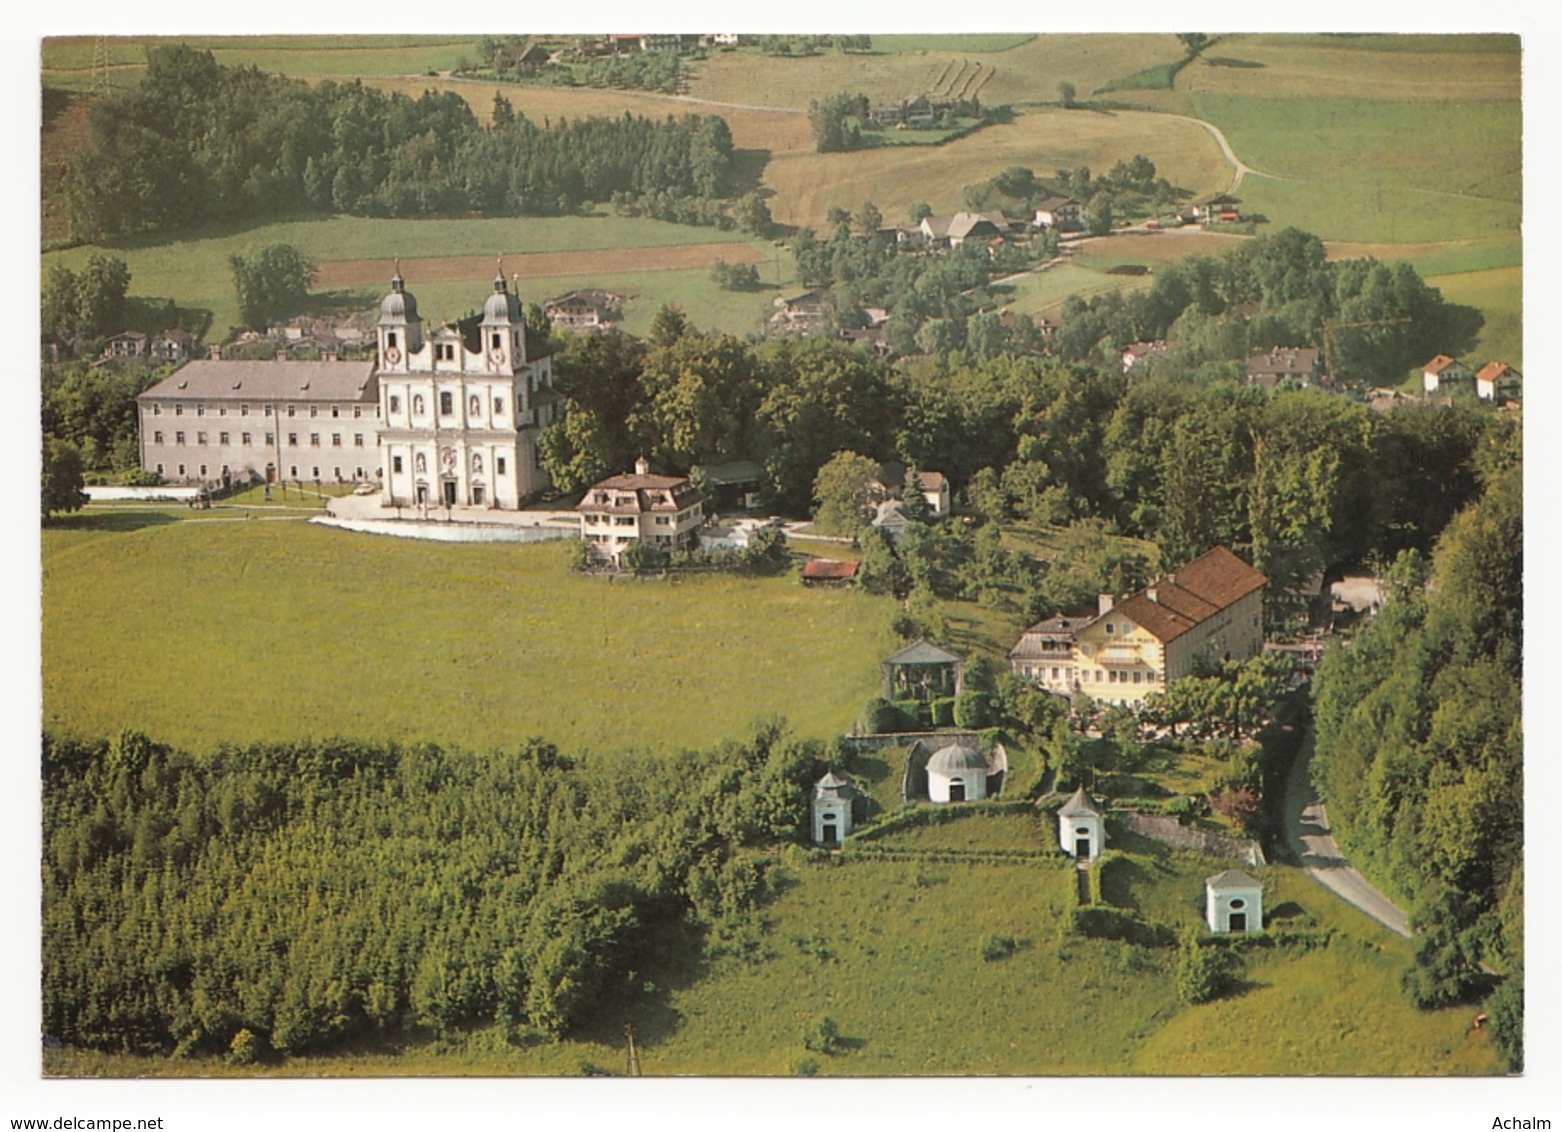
{"type": "Point", "coordinates": [808, 184]}
{"type": "Point", "coordinates": [68, 60]}
{"type": "Point", "coordinates": [239, 631]}
{"type": "Point", "coordinates": [1027, 72]}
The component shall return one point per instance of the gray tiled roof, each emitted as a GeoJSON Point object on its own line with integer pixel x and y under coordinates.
{"type": "Point", "coordinates": [922, 652]}
{"type": "Point", "coordinates": [234, 380]}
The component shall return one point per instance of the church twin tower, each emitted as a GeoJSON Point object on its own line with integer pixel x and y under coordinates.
{"type": "Point", "coordinates": [459, 420]}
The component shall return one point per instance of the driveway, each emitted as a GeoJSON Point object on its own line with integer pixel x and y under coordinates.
{"type": "Point", "coordinates": [1307, 836]}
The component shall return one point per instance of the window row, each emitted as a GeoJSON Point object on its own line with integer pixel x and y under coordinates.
{"type": "Point", "coordinates": [447, 405]}
{"type": "Point", "coordinates": [292, 410]}
{"type": "Point", "coordinates": [246, 439]}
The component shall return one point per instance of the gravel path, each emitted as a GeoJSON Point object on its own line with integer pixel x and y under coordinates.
{"type": "Point", "coordinates": [1307, 836]}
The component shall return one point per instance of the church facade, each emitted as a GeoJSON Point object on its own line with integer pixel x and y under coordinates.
{"type": "Point", "coordinates": [459, 421]}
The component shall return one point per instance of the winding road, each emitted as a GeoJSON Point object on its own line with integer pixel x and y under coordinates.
{"type": "Point", "coordinates": [1307, 836]}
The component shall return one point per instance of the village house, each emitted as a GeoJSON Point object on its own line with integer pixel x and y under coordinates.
{"type": "Point", "coordinates": [585, 309]}
{"type": "Point", "coordinates": [1208, 611]}
{"type": "Point", "coordinates": [1443, 374]}
{"type": "Point", "coordinates": [1300, 365]}
{"type": "Point", "coordinates": [800, 313]}
{"type": "Point", "coordinates": [1498, 383]}
{"type": "Point", "coordinates": [127, 344]}
{"type": "Point", "coordinates": [617, 512]}
{"type": "Point", "coordinates": [216, 420]}
{"type": "Point", "coordinates": [459, 418]}
{"type": "Point", "coordinates": [1045, 653]}
{"type": "Point", "coordinates": [1135, 352]}
{"type": "Point", "coordinates": [174, 345]}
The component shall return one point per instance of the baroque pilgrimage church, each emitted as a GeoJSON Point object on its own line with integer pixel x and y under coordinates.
{"type": "Point", "coordinates": [437, 420]}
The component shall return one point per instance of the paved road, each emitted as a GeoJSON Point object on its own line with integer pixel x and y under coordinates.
{"type": "Point", "coordinates": [1307, 835]}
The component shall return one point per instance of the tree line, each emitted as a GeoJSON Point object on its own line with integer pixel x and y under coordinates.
{"type": "Point", "coordinates": [280, 899]}
{"type": "Point", "coordinates": [1306, 477]}
{"type": "Point", "coordinates": [198, 142]}
{"type": "Point", "coordinates": [1420, 751]}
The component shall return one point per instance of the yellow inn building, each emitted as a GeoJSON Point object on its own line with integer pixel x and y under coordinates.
{"type": "Point", "coordinates": [1210, 610]}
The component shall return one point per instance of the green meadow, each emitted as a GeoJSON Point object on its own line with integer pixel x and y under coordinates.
{"type": "Point", "coordinates": [254, 630]}
{"type": "Point", "coordinates": [194, 270]}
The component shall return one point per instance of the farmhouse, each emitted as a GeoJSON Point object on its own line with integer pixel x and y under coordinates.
{"type": "Point", "coordinates": [1065, 214]}
{"type": "Point", "coordinates": [1209, 610]}
{"type": "Point", "coordinates": [459, 417]}
{"type": "Point", "coordinates": [952, 231]}
{"type": "Point", "coordinates": [217, 420]}
{"type": "Point", "coordinates": [1220, 206]}
{"type": "Point", "coordinates": [622, 510]}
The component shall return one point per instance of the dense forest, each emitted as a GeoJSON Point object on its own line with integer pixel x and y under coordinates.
{"type": "Point", "coordinates": [1420, 751]}
{"type": "Point", "coordinates": [281, 899]}
{"type": "Point", "coordinates": [198, 142]}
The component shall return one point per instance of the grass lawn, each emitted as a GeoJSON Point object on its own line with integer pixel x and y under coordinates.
{"type": "Point", "coordinates": [1044, 293]}
{"type": "Point", "coordinates": [195, 272]}
{"type": "Point", "coordinates": [268, 630]}
{"type": "Point", "coordinates": [1357, 169]}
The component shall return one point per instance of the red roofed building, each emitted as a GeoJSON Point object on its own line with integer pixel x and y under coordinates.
{"type": "Point", "coordinates": [621, 510]}
{"type": "Point", "coordinates": [1444, 371]}
{"type": "Point", "coordinates": [828, 572]}
{"type": "Point", "coordinates": [1212, 610]}
{"type": "Point", "coordinates": [1498, 382]}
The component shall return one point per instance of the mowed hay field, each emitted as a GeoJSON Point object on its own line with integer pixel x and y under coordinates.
{"type": "Point", "coordinates": [212, 632]}
{"type": "Point", "coordinates": [1412, 67]}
